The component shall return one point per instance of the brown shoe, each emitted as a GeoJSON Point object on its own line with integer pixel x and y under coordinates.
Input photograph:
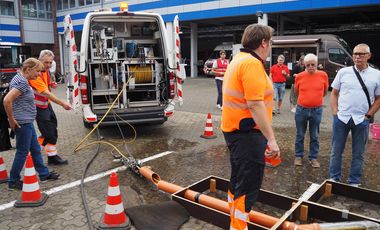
{"type": "Point", "coordinates": [314, 163]}
{"type": "Point", "coordinates": [298, 161]}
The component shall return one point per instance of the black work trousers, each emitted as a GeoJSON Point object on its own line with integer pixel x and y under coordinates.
{"type": "Point", "coordinates": [247, 161]}
{"type": "Point", "coordinates": [47, 124]}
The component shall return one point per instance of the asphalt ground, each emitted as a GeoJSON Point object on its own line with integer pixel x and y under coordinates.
{"type": "Point", "coordinates": [193, 159]}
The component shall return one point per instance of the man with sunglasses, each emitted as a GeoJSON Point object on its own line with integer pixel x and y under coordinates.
{"type": "Point", "coordinates": [310, 86]}
{"type": "Point", "coordinates": [352, 112]}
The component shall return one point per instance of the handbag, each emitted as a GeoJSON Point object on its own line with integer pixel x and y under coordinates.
{"type": "Point", "coordinates": [365, 91]}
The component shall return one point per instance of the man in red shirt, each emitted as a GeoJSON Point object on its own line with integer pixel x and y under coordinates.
{"type": "Point", "coordinates": [279, 72]}
{"type": "Point", "coordinates": [310, 87]}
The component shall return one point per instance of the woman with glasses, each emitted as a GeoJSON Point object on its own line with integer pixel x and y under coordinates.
{"type": "Point", "coordinates": [310, 86]}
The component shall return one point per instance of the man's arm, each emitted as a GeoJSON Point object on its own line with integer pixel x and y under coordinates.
{"type": "Point", "coordinates": [8, 101]}
{"type": "Point", "coordinates": [259, 112]}
{"type": "Point", "coordinates": [375, 106]}
{"type": "Point", "coordinates": [334, 101]}
{"type": "Point", "coordinates": [56, 100]}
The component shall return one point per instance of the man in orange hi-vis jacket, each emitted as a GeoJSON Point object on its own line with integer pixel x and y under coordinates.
{"type": "Point", "coordinates": [46, 119]}
{"type": "Point", "coordinates": [246, 121]}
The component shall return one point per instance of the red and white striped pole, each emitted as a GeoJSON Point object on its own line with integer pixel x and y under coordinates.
{"type": "Point", "coordinates": [176, 60]}
{"type": "Point", "coordinates": [73, 79]}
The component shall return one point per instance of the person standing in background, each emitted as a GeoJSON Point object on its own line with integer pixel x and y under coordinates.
{"type": "Point", "coordinates": [46, 120]}
{"type": "Point", "coordinates": [310, 88]}
{"type": "Point", "coordinates": [218, 69]}
{"type": "Point", "coordinates": [352, 110]}
{"type": "Point", "coordinates": [298, 68]}
{"type": "Point", "coordinates": [21, 112]}
{"type": "Point", "coordinates": [279, 73]}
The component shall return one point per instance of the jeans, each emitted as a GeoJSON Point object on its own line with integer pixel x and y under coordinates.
{"type": "Point", "coordinates": [219, 86]}
{"type": "Point", "coordinates": [26, 140]}
{"type": "Point", "coordinates": [279, 91]}
{"type": "Point", "coordinates": [359, 135]}
{"type": "Point", "coordinates": [302, 117]}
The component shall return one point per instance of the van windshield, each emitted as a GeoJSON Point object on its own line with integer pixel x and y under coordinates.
{"type": "Point", "coordinates": [215, 54]}
{"type": "Point", "coordinates": [345, 45]}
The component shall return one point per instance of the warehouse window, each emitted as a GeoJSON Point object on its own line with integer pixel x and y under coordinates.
{"type": "Point", "coordinates": [37, 9]}
{"type": "Point", "coordinates": [66, 4]}
{"type": "Point", "coordinates": [7, 8]}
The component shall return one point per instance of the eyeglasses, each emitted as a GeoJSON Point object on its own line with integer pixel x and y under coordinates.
{"type": "Point", "coordinates": [310, 65]}
{"type": "Point", "coordinates": [359, 54]}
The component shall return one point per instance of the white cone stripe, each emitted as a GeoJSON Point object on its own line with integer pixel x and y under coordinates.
{"type": "Point", "coordinates": [209, 120]}
{"type": "Point", "coordinates": [2, 167]}
{"type": "Point", "coordinates": [30, 172]}
{"type": "Point", "coordinates": [114, 209]}
{"type": "Point", "coordinates": [30, 187]}
{"type": "Point", "coordinates": [208, 129]}
{"type": "Point", "coordinates": [113, 191]}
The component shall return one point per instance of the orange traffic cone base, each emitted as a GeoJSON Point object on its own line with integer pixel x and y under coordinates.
{"type": "Point", "coordinates": [40, 202]}
{"type": "Point", "coordinates": [124, 226]}
{"type": "Point", "coordinates": [208, 137]}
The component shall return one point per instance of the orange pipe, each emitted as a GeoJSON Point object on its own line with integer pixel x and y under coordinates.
{"type": "Point", "coordinates": [255, 217]}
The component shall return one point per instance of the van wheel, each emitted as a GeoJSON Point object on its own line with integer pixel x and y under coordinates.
{"type": "Point", "coordinates": [87, 125]}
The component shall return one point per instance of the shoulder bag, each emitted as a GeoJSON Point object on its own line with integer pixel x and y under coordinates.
{"type": "Point", "coordinates": [365, 91]}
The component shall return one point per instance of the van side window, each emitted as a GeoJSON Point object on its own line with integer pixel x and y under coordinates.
{"type": "Point", "coordinates": [338, 55]}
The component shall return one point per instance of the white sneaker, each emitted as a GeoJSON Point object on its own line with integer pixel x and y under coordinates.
{"type": "Point", "coordinates": [219, 106]}
{"type": "Point", "coordinates": [293, 110]}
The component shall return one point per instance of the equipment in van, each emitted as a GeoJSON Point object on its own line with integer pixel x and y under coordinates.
{"type": "Point", "coordinates": [126, 62]}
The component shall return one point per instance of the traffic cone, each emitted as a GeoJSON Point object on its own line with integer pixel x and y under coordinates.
{"type": "Point", "coordinates": [209, 133]}
{"type": "Point", "coordinates": [271, 161]}
{"type": "Point", "coordinates": [114, 216]}
{"type": "Point", "coordinates": [3, 171]}
{"type": "Point", "coordinates": [31, 195]}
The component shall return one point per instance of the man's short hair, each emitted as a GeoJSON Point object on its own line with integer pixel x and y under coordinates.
{"type": "Point", "coordinates": [365, 46]}
{"type": "Point", "coordinates": [222, 52]}
{"type": "Point", "coordinates": [310, 57]}
{"type": "Point", "coordinates": [44, 53]}
{"type": "Point", "coordinates": [281, 57]}
{"type": "Point", "coordinates": [254, 34]}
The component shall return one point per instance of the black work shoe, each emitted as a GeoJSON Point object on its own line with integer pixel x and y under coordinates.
{"type": "Point", "coordinates": [52, 176]}
{"type": "Point", "coordinates": [15, 185]}
{"type": "Point", "coordinates": [56, 160]}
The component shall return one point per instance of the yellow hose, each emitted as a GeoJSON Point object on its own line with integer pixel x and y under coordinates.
{"type": "Point", "coordinates": [101, 120]}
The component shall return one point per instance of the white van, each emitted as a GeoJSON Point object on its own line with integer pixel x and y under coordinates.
{"type": "Point", "coordinates": [132, 49]}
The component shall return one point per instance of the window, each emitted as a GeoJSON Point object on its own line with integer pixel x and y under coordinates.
{"type": "Point", "coordinates": [339, 56]}
{"type": "Point", "coordinates": [37, 8]}
{"type": "Point", "coordinates": [7, 8]}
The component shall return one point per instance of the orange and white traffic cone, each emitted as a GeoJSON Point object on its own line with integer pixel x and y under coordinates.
{"type": "Point", "coordinates": [31, 195]}
{"type": "Point", "coordinates": [271, 161]}
{"type": "Point", "coordinates": [208, 133]}
{"type": "Point", "coordinates": [114, 216]}
{"type": "Point", "coordinates": [3, 171]}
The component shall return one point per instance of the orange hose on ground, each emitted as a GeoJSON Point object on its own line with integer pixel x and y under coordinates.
{"type": "Point", "coordinates": [255, 217]}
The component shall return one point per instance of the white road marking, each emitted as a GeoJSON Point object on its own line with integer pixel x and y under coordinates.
{"type": "Point", "coordinates": [88, 179]}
